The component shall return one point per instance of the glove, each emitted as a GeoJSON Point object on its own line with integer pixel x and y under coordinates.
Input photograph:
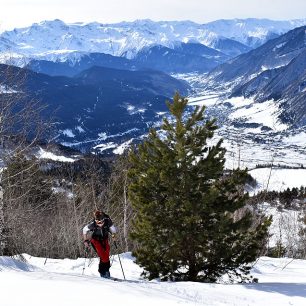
{"type": "Point", "coordinates": [86, 243]}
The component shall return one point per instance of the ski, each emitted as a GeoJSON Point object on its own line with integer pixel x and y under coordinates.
{"type": "Point", "coordinates": [113, 279]}
{"type": "Point", "coordinates": [116, 279]}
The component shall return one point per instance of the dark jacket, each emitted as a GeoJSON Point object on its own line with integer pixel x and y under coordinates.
{"type": "Point", "coordinates": [97, 232]}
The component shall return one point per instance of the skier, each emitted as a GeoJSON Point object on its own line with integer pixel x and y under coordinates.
{"type": "Point", "coordinates": [96, 233]}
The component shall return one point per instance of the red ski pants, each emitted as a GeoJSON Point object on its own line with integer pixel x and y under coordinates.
{"type": "Point", "coordinates": [102, 248]}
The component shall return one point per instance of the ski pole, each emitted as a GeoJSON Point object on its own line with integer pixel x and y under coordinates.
{"type": "Point", "coordinates": [85, 252]}
{"type": "Point", "coordinates": [112, 258]}
{"type": "Point", "coordinates": [115, 243]}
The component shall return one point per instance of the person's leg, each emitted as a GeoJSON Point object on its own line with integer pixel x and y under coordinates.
{"type": "Point", "coordinates": [104, 269]}
{"type": "Point", "coordinates": [103, 248]}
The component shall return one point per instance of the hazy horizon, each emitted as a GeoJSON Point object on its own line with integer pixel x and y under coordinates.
{"type": "Point", "coordinates": [21, 13]}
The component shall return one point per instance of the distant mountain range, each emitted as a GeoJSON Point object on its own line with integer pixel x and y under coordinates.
{"type": "Point", "coordinates": [58, 41]}
{"type": "Point", "coordinates": [183, 58]}
{"type": "Point", "coordinates": [275, 70]}
{"type": "Point", "coordinates": [252, 32]}
{"type": "Point", "coordinates": [109, 82]}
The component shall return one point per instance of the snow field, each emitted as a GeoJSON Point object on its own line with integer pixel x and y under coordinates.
{"type": "Point", "coordinates": [60, 282]}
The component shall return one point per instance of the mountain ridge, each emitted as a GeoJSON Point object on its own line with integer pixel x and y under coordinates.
{"type": "Point", "coordinates": [128, 38]}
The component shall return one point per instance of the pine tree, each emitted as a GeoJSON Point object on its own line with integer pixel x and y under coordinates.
{"type": "Point", "coordinates": [190, 222]}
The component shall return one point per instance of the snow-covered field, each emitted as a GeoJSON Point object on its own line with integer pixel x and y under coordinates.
{"type": "Point", "coordinates": [264, 113]}
{"type": "Point", "coordinates": [251, 131]}
{"type": "Point", "coordinates": [61, 282]}
{"type": "Point", "coordinates": [278, 179]}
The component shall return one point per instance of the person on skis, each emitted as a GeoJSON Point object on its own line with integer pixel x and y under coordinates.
{"type": "Point", "coordinates": [96, 234]}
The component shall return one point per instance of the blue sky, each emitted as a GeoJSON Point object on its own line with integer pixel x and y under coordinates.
{"type": "Point", "coordinates": [18, 13]}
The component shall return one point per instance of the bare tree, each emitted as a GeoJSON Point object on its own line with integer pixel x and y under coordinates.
{"type": "Point", "coordinates": [117, 203]}
{"type": "Point", "coordinates": [20, 127]}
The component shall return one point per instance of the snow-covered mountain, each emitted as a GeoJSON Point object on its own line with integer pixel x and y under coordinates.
{"type": "Point", "coordinates": [172, 47]}
{"type": "Point", "coordinates": [275, 70]}
{"type": "Point", "coordinates": [285, 84]}
{"type": "Point", "coordinates": [184, 58]}
{"type": "Point", "coordinates": [56, 40]}
{"type": "Point", "coordinates": [252, 32]}
{"type": "Point", "coordinates": [275, 53]}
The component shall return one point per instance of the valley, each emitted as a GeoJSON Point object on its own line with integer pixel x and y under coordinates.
{"type": "Point", "coordinates": [107, 84]}
{"type": "Point", "coordinates": [252, 132]}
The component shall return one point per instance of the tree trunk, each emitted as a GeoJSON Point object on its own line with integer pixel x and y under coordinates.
{"type": "Point", "coordinates": [193, 270]}
{"type": "Point", "coordinates": [125, 219]}
{"type": "Point", "coordinates": [2, 227]}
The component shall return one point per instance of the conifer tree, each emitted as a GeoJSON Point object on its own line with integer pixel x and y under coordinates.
{"type": "Point", "coordinates": [191, 223]}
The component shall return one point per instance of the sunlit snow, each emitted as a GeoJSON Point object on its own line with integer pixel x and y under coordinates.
{"type": "Point", "coordinates": [264, 113]}
{"type": "Point", "coordinates": [278, 179]}
{"type": "Point", "coordinates": [282, 282]}
{"type": "Point", "coordinates": [68, 133]}
{"type": "Point", "coordinates": [121, 148]}
{"type": "Point", "coordinates": [298, 139]}
{"type": "Point", "coordinates": [43, 154]}
{"type": "Point", "coordinates": [129, 37]}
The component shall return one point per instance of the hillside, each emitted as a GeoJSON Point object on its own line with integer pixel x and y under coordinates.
{"type": "Point", "coordinates": [97, 103]}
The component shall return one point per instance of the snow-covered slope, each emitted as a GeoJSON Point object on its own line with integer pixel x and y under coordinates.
{"type": "Point", "coordinates": [60, 282]}
{"type": "Point", "coordinates": [55, 40]}
{"type": "Point", "coordinates": [125, 38]}
{"type": "Point", "coordinates": [273, 71]}
{"type": "Point", "coordinates": [254, 135]}
{"type": "Point", "coordinates": [278, 179]}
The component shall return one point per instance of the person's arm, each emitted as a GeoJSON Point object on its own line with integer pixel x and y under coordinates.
{"type": "Point", "coordinates": [113, 229]}
{"type": "Point", "coordinates": [86, 238]}
{"type": "Point", "coordinates": [85, 232]}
